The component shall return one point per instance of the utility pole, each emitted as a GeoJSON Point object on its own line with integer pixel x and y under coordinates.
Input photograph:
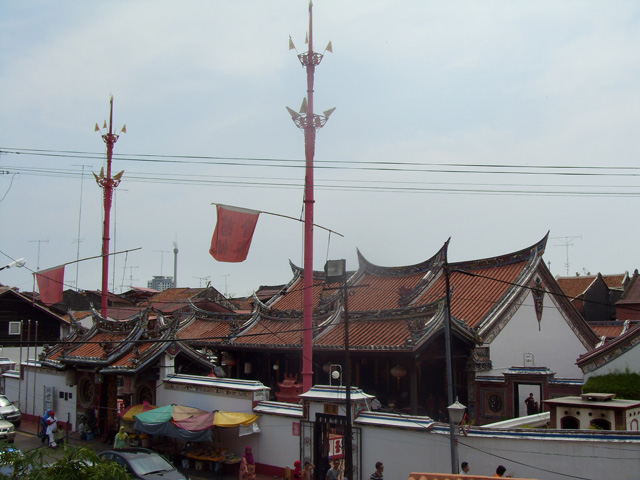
{"type": "Point", "coordinates": [567, 242]}
{"type": "Point", "coordinates": [308, 122]}
{"type": "Point", "coordinates": [108, 184]}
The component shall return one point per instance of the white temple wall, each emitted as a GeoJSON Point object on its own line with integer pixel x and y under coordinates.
{"type": "Point", "coordinates": [554, 345]}
{"type": "Point", "coordinates": [28, 394]}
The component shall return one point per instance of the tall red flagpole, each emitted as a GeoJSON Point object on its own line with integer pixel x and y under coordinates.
{"type": "Point", "coordinates": [108, 183]}
{"type": "Point", "coordinates": [307, 121]}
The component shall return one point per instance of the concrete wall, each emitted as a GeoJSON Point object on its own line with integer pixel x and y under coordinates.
{"type": "Point", "coordinates": [554, 345]}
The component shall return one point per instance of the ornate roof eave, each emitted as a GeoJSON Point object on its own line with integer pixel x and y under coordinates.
{"type": "Point", "coordinates": [587, 336]}
{"type": "Point", "coordinates": [533, 252]}
{"type": "Point", "coordinates": [116, 326]}
{"type": "Point", "coordinates": [259, 306]}
{"type": "Point", "coordinates": [372, 269]}
{"type": "Point", "coordinates": [297, 275]}
{"type": "Point", "coordinates": [113, 353]}
{"type": "Point", "coordinates": [421, 331]}
{"type": "Point", "coordinates": [436, 324]}
{"type": "Point", "coordinates": [493, 322]}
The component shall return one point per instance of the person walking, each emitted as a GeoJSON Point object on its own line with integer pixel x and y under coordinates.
{"type": "Point", "coordinates": [377, 475]}
{"type": "Point", "coordinates": [464, 466]}
{"type": "Point", "coordinates": [52, 429]}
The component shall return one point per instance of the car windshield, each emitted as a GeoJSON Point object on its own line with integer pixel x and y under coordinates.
{"type": "Point", "coordinates": [145, 464]}
{"type": "Point", "coordinates": [4, 402]}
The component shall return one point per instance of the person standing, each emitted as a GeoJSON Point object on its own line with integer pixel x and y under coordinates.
{"type": "Point", "coordinates": [334, 473]}
{"type": "Point", "coordinates": [121, 440]}
{"type": "Point", "coordinates": [306, 471]}
{"type": "Point", "coordinates": [52, 429]}
{"type": "Point", "coordinates": [247, 465]}
{"type": "Point", "coordinates": [532, 407]}
{"type": "Point", "coordinates": [377, 475]}
{"type": "Point", "coordinates": [465, 468]}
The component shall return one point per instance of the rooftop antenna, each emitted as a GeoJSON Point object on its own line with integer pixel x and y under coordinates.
{"type": "Point", "coordinates": [39, 242]}
{"type": "Point", "coordinates": [175, 263]}
{"type": "Point", "coordinates": [307, 121]}
{"type": "Point", "coordinates": [226, 294]}
{"type": "Point", "coordinates": [567, 242]}
{"type": "Point", "coordinates": [203, 278]}
{"type": "Point", "coordinates": [162, 252]}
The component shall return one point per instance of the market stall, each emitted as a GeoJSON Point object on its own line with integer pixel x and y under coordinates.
{"type": "Point", "coordinates": [189, 435]}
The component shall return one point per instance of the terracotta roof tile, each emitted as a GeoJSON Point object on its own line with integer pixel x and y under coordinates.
{"type": "Point", "coordinates": [93, 347]}
{"type": "Point", "coordinates": [379, 334]}
{"type": "Point", "coordinates": [473, 297]}
{"type": "Point", "coordinates": [293, 299]}
{"type": "Point", "coordinates": [573, 287]}
{"type": "Point", "coordinates": [272, 331]}
{"type": "Point", "coordinates": [381, 293]}
{"type": "Point", "coordinates": [608, 329]}
{"type": "Point", "coordinates": [206, 331]}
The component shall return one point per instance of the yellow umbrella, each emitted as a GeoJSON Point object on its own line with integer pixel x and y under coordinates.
{"type": "Point", "coordinates": [128, 413]}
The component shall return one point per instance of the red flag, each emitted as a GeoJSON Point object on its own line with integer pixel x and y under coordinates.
{"type": "Point", "coordinates": [50, 283]}
{"type": "Point", "coordinates": [234, 231]}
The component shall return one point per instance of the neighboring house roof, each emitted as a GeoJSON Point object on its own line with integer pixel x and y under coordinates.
{"type": "Point", "coordinates": [6, 292]}
{"type": "Point", "coordinates": [609, 351]}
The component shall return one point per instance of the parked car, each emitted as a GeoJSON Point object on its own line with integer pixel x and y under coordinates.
{"type": "Point", "coordinates": [144, 464]}
{"type": "Point", "coordinates": [7, 431]}
{"type": "Point", "coordinates": [8, 411]}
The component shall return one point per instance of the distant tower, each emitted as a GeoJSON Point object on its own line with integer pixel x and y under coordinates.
{"type": "Point", "coordinates": [175, 264]}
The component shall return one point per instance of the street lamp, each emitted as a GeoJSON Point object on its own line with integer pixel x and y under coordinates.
{"type": "Point", "coordinates": [456, 414]}
{"type": "Point", "coordinates": [21, 262]}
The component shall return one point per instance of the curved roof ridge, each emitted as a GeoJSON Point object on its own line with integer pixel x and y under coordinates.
{"type": "Point", "coordinates": [299, 271]}
{"type": "Point", "coordinates": [378, 270]}
{"type": "Point", "coordinates": [535, 250]}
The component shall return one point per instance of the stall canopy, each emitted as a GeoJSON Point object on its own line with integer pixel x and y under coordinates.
{"type": "Point", "coordinates": [188, 423]}
{"type": "Point", "coordinates": [129, 413]}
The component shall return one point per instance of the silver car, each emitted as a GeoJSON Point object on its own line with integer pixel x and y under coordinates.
{"type": "Point", "coordinates": [7, 431]}
{"type": "Point", "coordinates": [8, 411]}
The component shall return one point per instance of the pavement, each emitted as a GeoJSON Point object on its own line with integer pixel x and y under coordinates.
{"type": "Point", "coordinates": [27, 440]}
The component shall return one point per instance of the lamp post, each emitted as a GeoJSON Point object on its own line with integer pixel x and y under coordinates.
{"type": "Point", "coordinates": [336, 272]}
{"type": "Point", "coordinates": [21, 262]}
{"type": "Point", "coordinates": [456, 413]}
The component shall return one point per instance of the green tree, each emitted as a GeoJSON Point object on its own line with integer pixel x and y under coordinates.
{"type": "Point", "coordinates": [75, 464]}
{"type": "Point", "coordinates": [624, 384]}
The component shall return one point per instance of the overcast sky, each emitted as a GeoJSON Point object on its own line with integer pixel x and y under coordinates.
{"type": "Point", "coordinates": [490, 122]}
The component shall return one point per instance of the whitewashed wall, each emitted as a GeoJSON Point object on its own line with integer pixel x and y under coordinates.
{"type": "Point", "coordinates": [554, 345]}
{"type": "Point", "coordinates": [30, 392]}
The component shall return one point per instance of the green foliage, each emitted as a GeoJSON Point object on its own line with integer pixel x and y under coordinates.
{"type": "Point", "coordinates": [624, 384]}
{"type": "Point", "coordinates": [75, 464]}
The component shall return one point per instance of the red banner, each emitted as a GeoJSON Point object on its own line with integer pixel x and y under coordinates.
{"type": "Point", "coordinates": [50, 284]}
{"type": "Point", "coordinates": [234, 231]}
